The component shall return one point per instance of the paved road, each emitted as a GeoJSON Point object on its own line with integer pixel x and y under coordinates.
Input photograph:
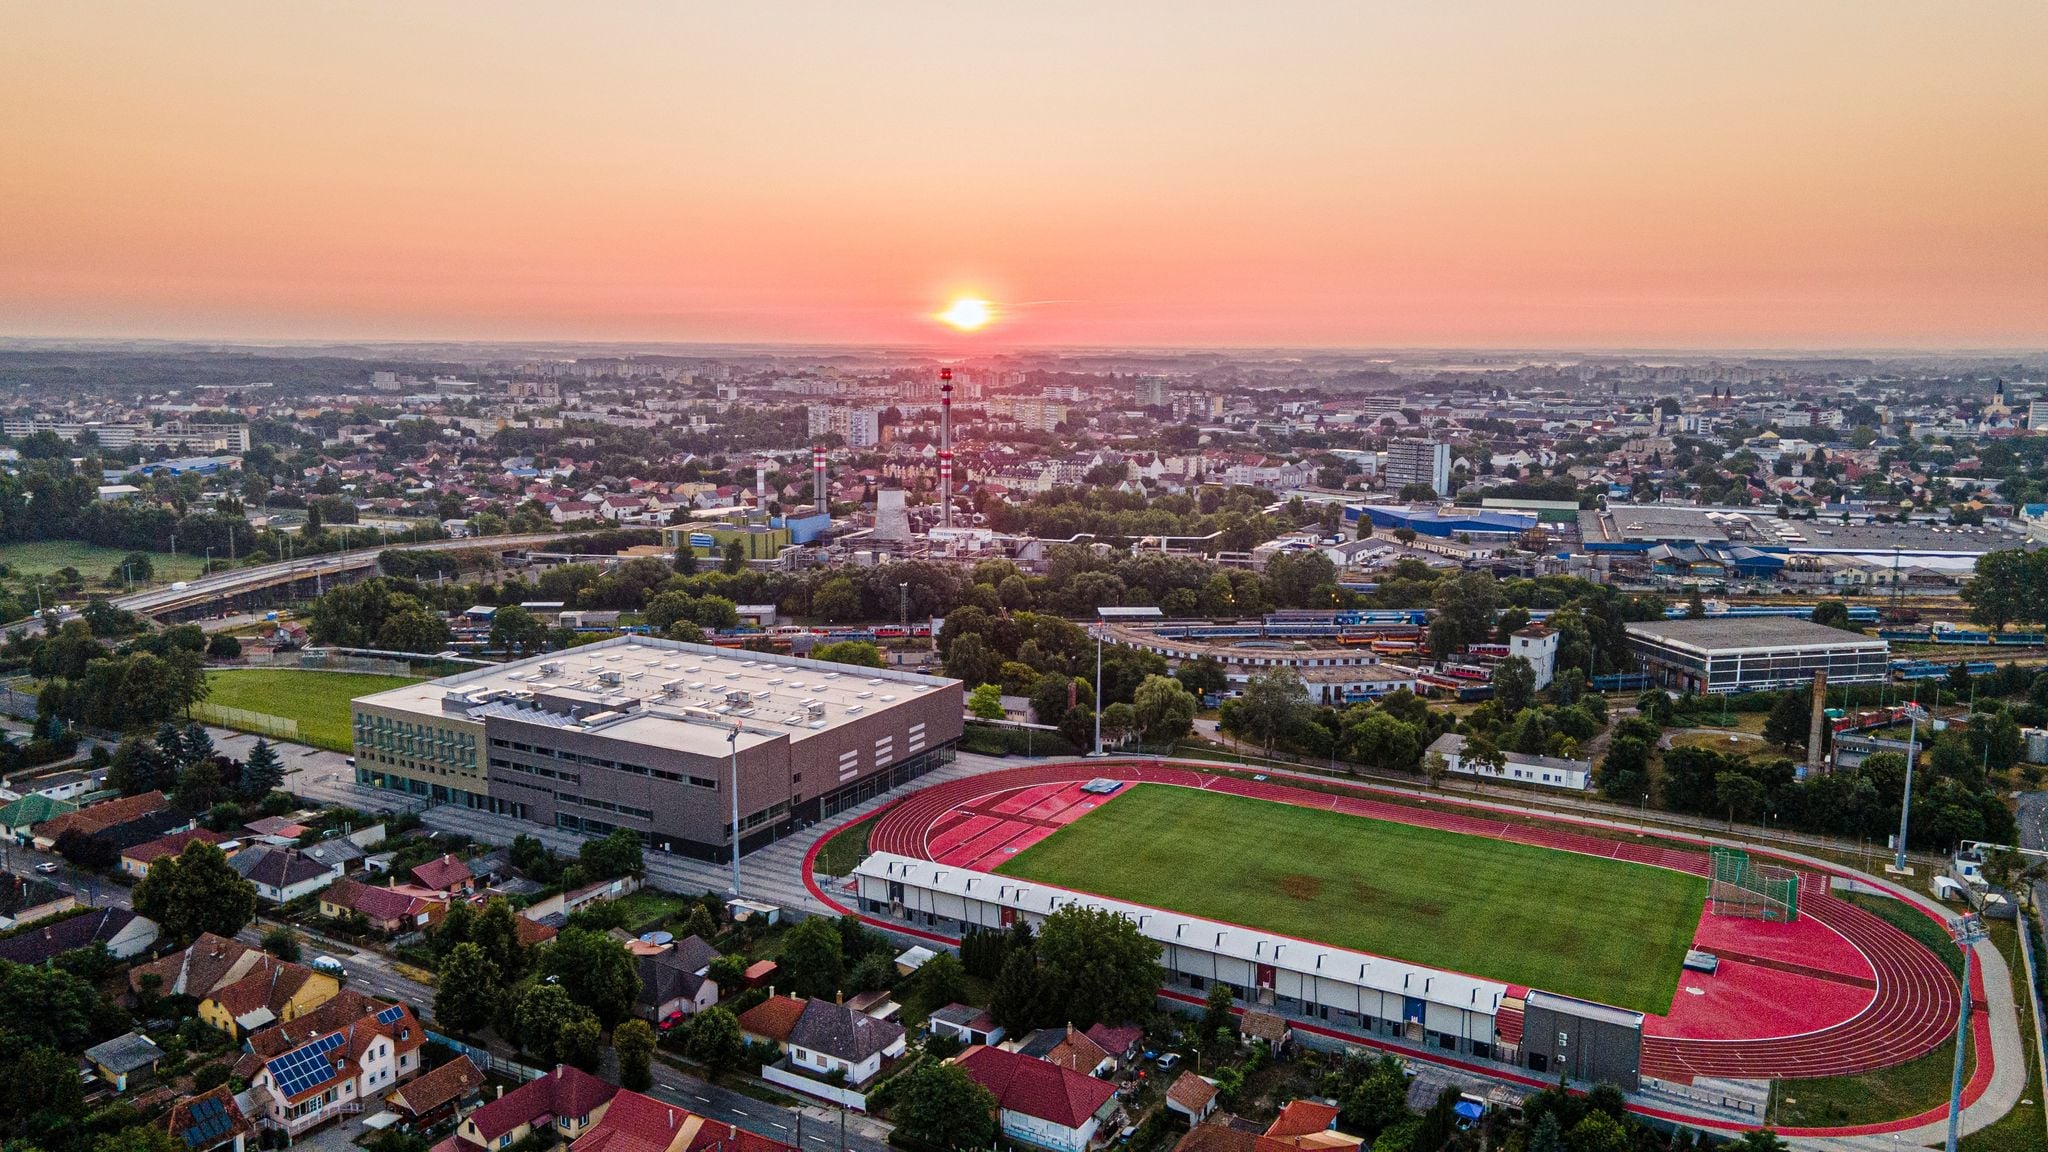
{"type": "Point", "coordinates": [89, 888]}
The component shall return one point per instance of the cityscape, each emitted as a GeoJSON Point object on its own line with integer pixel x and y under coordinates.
{"type": "Point", "coordinates": [1195, 579]}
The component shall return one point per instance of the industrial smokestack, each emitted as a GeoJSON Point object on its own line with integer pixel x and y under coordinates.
{"type": "Point", "coordinates": [761, 488]}
{"type": "Point", "coordinates": [945, 447]}
{"type": "Point", "coordinates": [818, 479]}
{"type": "Point", "coordinates": [1820, 718]}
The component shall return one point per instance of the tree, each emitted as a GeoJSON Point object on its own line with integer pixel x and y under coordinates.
{"type": "Point", "coordinates": [199, 786]}
{"type": "Point", "coordinates": [262, 772]}
{"type": "Point", "coordinates": [2004, 589]}
{"type": "Point", "coordinates": [1756, 1140]}
{"type": "Point", "coordinates": [581, 1042]}
{"type": "Point", "coordinates": [634, 1041]}
{"type": "Point", "coordinates": [941, 1106]}
{"type": "Point", "coordinates": [1019, 1000]}
{"type": "Point", "coordinates": [938, 982]}
{"type": "Point", "coordinates": [812, 959]}
{"type": "Point", "coordinates": [514, 629]}
{"type": "Point", "coordinates": [1834, 614]}
{"type": "Point", "coordinates": [1741, 794]}
{"type": "Point", "coordinates": [1273, 702]}
{"type": "Point", "coordinates": [412, 628]}
{"type": "Point", "coordinates": [1790, 721]}
{"type": "Point", "coordinates": [1514, 685]}
{"type": "Point", "coordinates": [686, 557]}
{"type": "Point", "coordinates": [1099, 967]}
{"type": "Point", "coordinates": [1202, 676]}
{"type": "Point", "coordinates": [716, 1041]}
{"type": "Point", "coordinates": [1216, 1015]}
{"type": "Point", "coordinates": [1165, 709]}
{"type": "Point", "coordinates": [1598, 1132]}
{"type": "Point", "coordinates": [282, 943]}
{"type": "Point", "coordinates": [858, 653]}
{"type": "Point", "coordinates": [986, 701]}
{"type": "Point", "coordinates": [595, 970]}
{"type": "Point", "coordinates": [735, 557]}
{"type": "Point", "coordinates": [467, 990]}
{"type": "Point", "coordinates": [543, 1012]}
{"type": "Point", "coordinates": [222, 646]}
{"type": "Point", "coordinates": [971, 660]}
{"type": "Point", "coordinates": [1465, 606]}
{"type": "Point", "coordinates": [1695, 608]}
{"type": "Point", "coordinates": [837, 600]}
{"type": "Point", "coordinates": [611, 856]}
{"type": "Point", "coordinates": [193, 892]}
{"type": "Point", "coordinates": [1118, 722]}
{"type": "Point", "coordinates": [1434, 767]}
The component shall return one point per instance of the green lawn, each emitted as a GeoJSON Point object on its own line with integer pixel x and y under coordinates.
{"type": "Point", "coordinates": [1604, 930]}
{"type": "Point", "coordinates": [317, 700]}
{"type": "Point", "coordinates": [42, 557]}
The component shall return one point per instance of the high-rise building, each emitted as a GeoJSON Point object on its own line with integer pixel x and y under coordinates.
{"type": "Point", "coordinates": [1419, 462]}
{"type": "Point", "coordinates": [1152, 391]}
{"type": "Point", "coordinates": [859, 427]}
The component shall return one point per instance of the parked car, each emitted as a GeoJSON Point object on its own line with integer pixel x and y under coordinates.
{"type": "Point", "coordinates": [1169, 1062]}
{"type": "Point", "coordinates": [670, 1021]}
{"type": "Point", "coordinates": [48, 867]}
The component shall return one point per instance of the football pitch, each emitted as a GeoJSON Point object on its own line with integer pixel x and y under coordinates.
{"type": "Point", "coordinates": [1605, 930]}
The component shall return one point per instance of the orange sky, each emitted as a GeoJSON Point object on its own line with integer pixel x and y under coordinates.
{"type": "Point", "coordinates": [1266, 172]}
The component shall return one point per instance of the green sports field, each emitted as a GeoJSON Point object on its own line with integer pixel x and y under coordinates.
{"type": "Point", "coordinates": [319, 701]}
{"type": "Point", "coordinates": [1604, 930]}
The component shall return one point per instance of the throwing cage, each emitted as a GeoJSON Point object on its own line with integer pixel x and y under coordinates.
{"type": "Point", "coordinates": [1742, 887]}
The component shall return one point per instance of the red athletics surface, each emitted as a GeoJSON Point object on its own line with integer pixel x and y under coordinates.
{"type": "Point", "coordinates": [1841, 991]}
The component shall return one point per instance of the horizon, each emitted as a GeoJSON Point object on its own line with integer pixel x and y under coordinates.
{"type": "Point", "coordinates": [1205, 177]}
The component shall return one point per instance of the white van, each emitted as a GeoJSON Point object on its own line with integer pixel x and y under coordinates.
{"type": "Point", "coordinates": [329, 965]}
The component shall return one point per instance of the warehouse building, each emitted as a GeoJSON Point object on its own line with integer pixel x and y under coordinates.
{"type": "Point", "coordinates": [1749, 654]}
{"type": "Point", "coordinates": [1350, 991]}
{"type": "Point", "coordinates": [649, 735]}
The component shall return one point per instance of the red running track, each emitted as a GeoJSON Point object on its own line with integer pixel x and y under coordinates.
{"type": "Point", "coordinates": [1910, 1014]}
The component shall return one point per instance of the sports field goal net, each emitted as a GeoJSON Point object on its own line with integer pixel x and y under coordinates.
{"type": "Point", "coordinates": [1742, 887]}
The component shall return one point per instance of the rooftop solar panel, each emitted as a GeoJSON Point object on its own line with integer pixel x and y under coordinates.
{"type": "Point", "coordinates": [391, 1015]}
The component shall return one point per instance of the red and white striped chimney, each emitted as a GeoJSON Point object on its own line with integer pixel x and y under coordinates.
{"type": "Point", "coordinates": [946, 448]}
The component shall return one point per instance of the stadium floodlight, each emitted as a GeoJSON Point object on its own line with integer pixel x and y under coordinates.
{"type": "Point", "coordinates": [1102, 618]}
{"type": "Point", "coordinates": [1966, 931]}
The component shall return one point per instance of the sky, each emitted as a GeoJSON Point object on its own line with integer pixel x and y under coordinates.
{"type": "Point", "coordinates": [1361, 174]}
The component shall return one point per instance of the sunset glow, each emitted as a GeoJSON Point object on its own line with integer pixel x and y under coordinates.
{"type": "Point", "coordinates": [967, 314]}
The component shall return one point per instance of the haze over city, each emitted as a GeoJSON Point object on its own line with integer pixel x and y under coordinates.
{"type": "Point", "coordinates": [1739, 175]}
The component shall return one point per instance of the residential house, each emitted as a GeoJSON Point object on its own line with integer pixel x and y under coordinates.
{"type": "Point", "coordinates": [677, 980]}
{"type": "Point", "coordinates": [1121, 1041]}
{"type": "Point", "coordinates": [566, 1100]}
{"type": "Point", "coordinates": [432, 1097]}
{"type": "Point", "coordinates": [331, 1061]}
{"type": "Point", "coordinates": [832, 1038]}
{"type": "Point", "coordinates": [965, 1023]}
{"type": "Point", "coordinates": [771, 1021]}
{"type": "Point", "coordinates": [135, 861]}
{"type": "Point", "coordinates": [1067, 1047]}
{"type": "Point", "coordinates": [637, 1123]}
{"type": "Point", "coordinates": [23, 814]}
{"type": "Point", "coordinates": [282, 875]}
{"type": "Point", "coordinates": [388, 910]}
{"type": "Point", "coordinates": [446, 874]}
{"type": "Point", "coordinates": [270, 991]}
{"type": "Point", "coordinates": [209, 1122]}
{"type": "Point", "coordinates": [1192, 1096]}
{"type": "Point", "coordinates": [124, 934]}
{"type": "Point", "coordinates": [1309, 1125]}
{"type": "Point", "coordinates": [127, 1057]}
{"type": "Point", "coordinates": [1041, 1103]}
{"type": "Point", "coordinates": [1254, 1026]}
{"type": "Point", "coordinates": [26, 899]}
{"type": "Point", "coordinates": [114, 824]}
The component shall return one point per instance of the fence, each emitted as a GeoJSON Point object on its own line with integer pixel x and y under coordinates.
{"type": "Point", "coordinates": [1759, 891]}
{"type": "Point", "coordinates": [2028, 919]}
{"type": "Point", "coordinates": [330, 662]}
{"type": "Point", "coordinates": [844, 1097]}
{"type": "Point", "coordinates": [243, 720]}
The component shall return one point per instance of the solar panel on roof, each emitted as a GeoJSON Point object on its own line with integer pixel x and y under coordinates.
{"type": "Point", "coordinates": [209, 1122]}
{"type": "Point", "coordinates": [298, 1070]}
{"type": "Point", "coordinates": [390, 1015]}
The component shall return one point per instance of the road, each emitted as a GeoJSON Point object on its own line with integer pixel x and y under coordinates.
{"type": "Point", "coordinates": [88, 887]}
{"type": "Point", "coordinates": [2032, 812]}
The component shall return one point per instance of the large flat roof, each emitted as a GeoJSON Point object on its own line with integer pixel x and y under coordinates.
{"type": "Point", "coordinates": [666, 692]}
{"type": "Point", "coordinates": [1745, 633]}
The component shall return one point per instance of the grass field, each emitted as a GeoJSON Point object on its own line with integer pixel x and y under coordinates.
{"type": "Point", "coordinates": [1604, 930]}
{"type": "Point", "coordinates": [317, 700]}
{"type": "Point", "coordinates": [42, 557]}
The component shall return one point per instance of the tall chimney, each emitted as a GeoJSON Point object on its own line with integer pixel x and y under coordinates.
{"type": "Point", "coordinates": [818, 479]}
{"type": "Point", "coordinates": [1820, 719]}
{"type": "Point", "coordinates": [945, 447]}
{"type": "Point", "coordinates": [761, 489]}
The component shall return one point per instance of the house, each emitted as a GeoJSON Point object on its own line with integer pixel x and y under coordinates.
{"type": "Point", "coordinates": [1308, 1124]}
{"type": "Point", "coordinates": [330, 1062]}
{"type": "Point", "coordinates": [677, 980]}
{"type": "Point", "coordinates": [124, 934]}
{"type": "Point", "coordinates": [1121, 1041]}
{"type": "Point", "coordinates": [388, 910]}
{"type": "Point", "coordinates": [913, 958]}
{"type": "Point", "coordinates": [18, 817]}
{"type": "Point", "coordinates": [1192, 1096]}
{"type": "Point", "coordinates": [1544, 771]}
{"type": "Point", "coordinates": [447, 874]}
{"type": "Point", "coordinates": [135, 861]}
{"type": "Point", "coordinates": [432, 1097]}
{"type": "Point", "coordinates": [1255, 1026]}
{"type": "Point", "coordinates": [965, 1023]}
{"type": "Point", "coordinates": [341, 853]}
{"type": "Point", "coordinates": [269, 991]}
{"type": "Point", "coordinates": [1067, 1047]}
{"type": "Point", "coordinates": [129, 1056]}
{"type": "Point", "coordinates": [832, 1038]}
{"type": "Point", "coordinates": [282, 875]}
{"type": "Point", "coordinates": [1040, 1103]}
{"type": "Point", "coordinates": [25, 900]}
{"type": "Point", "coordinates": [209, 1122]}
{"type": "Point", "coordinates": [114, 824]}
{"type": "Point", "coordinates": [771, 1021]}
{"type": "Point", "coordinates": [637, 1123]}
{"type": "Point", "coordinates": [565, 1100]}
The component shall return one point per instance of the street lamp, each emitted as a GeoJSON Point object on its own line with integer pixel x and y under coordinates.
{"type": "Point", "coordinates": [1967, 932]}
{"type": "Point", "coordinates": [1913, 714]}
{"type": "Point", "coordinates": [1102, 618]}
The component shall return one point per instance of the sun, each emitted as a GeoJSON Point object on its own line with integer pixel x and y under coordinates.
{"type": "Point", "coordinates": [967, 314]}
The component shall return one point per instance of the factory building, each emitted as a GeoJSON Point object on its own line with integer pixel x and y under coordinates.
{"type": "Point", "coordinates": [650, 735]}
{"type": "Point", "coordinates": [1750, 654]}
